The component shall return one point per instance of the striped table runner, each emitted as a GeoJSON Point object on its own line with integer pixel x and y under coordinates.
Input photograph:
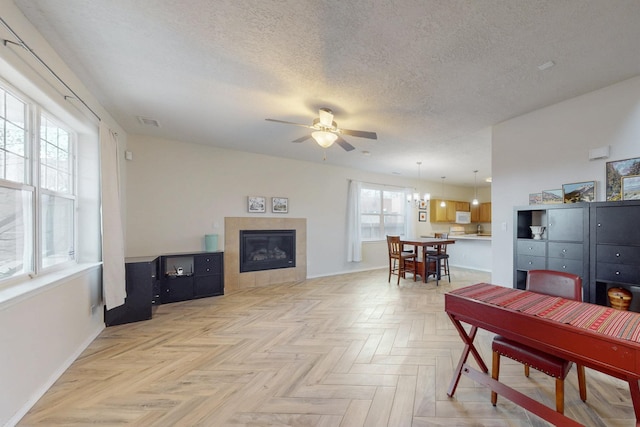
{"type": "Point", "coordinates": [604, 320]}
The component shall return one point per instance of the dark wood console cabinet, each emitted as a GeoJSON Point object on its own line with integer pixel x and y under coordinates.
{"type": "Point", "coordinates": [564, 245]}
{"type": "Point", "coordinates": [142, 286]}
{"type": "Point", "coordinates": [599, 241]}
{"type": "Point", "coordinates": [192, 275]}
{"type": "Point", "coordinates": [615, 250]}
{"type": "Point", "coordinates": [151, 281]}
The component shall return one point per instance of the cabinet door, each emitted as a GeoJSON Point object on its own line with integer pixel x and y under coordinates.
{"type": "Point", "coordinates": [451, 211]}
{"type": "Point", "coordinates": [437, 212]}
{"type": "Point", "coordinates": [475, 213]}
{"type": "Point", "coordinates": [485, 212]}
{"type": "Point", "coordinates": [206, 286]}
{"type": "Point", "coordinates": [177, 288]}
{"type": "Point", "coordinates": [463, 206]}
{"type": "Point", "coordinates": [566, 224]}
{"type": "Point", "coordinates": [139, 279]}
{"type": "Point", "coordinates": [618, 225]}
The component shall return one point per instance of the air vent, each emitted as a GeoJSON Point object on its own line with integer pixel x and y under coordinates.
{"type": "Point", "coordinates": [148, 122]}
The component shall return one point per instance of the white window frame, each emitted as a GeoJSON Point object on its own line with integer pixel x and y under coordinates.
{"type": "Point", "coordinates": [32, 185]}
{"type": "Point", "coordinates": [382, 231]}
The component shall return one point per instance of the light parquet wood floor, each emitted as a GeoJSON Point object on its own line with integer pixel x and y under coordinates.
{"type": "Point", "coordinates": [348, 350]}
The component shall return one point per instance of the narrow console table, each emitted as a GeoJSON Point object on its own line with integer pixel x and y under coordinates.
{"type": "Point", "coordinates": [155, 280]}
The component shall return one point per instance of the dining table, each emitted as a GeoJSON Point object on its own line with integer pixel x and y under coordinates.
{"type": "Point", "coordinates": [425, 243]}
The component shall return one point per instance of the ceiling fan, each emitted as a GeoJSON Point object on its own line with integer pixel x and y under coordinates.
{"type": "Point", "coordinates": [326, 131]}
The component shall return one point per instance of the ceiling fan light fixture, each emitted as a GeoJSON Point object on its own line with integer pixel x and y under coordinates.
{"type": "Point", "coordinates": [324, 139]}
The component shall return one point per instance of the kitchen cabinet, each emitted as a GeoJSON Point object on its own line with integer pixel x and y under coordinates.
{"type": "Point", "coordinates": [484, 212]}
{"type": "Point", "coordinates": [481, 212]}
{"type": "Point", "coordinates": [448, 213]}
{"type": "Point", "coordinates": [564, 245]}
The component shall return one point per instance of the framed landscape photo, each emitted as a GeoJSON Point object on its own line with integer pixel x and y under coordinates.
{"type": "Point", "coordinates": [279, 205]}
{"type": "Point", "coordinates": [257, 204]}
{"type": "Point", "coordinates": [579, 192]}
{"type": "Point", "coordinates": [422, 216]}
{"type": "Point", "coordinates": [616, 170]}
{"type": "Point", "coordinates": [552, 196]}
{"type": "Point", "coordinates": [535, 198]}
{"type": "Point", "coordinates": [631, 187]}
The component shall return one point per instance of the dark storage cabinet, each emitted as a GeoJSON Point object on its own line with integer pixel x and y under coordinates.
{"type": "Point", "coordinates": [151, 281]}
{"type": "Point", "coordinates": [599, 241]}
{"type": "Point", "coordinates": [615, 250]}
{"type": "Point", "coordinates": [192, 275]}
{"type": "Point", "coordinates": [142, 286]}
{"type": "Point", "coordinates": [564, 244]}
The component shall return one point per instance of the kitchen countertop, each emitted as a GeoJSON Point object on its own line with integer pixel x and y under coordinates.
{"type": "Point", "coordinates": [485, 237]}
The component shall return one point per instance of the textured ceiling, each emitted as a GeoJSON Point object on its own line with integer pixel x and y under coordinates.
{"type": "Point", "coordinates": [429, 76]}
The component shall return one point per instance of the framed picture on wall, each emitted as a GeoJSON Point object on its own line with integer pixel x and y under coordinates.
{"type": "Point", "coordinates": [422, 204]}
{"type": "Point", "coordinates": [279, 205]}
{"type": "Point", "coordinates": [631, 187]}
{"type": "Point", "coordinates": [617, 170]}
{"type": "Point", "coordinates": [535, 198]}
{"type": "Point", "coordinates": [579, 192]}
{"type": "Point", "coordinates": [422, 216]}
{"type": "Point", "coordinates": [552, 196]}
{"type": "Point", "coordinates": [257, 204]}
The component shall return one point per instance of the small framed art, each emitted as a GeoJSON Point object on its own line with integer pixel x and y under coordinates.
{"type": "Point", "coordinates": [616, 171]}
{"type": "Point", "coordinates": [422, 204]}
{"type": "Point", "coordinates": [279, 205]}
{"type": "Point", "coordinates": [422, 216]}
{"type": "Point", "coordinates": [535, 198]}
{"type": "Point", "coordinates": [579, 192]}
{"type": "Point", "coordinates": [257, 204]}
{"type": "Point", "coordinates": [631, 187]}
{"type": "Point", "coordinates": [552, 196]}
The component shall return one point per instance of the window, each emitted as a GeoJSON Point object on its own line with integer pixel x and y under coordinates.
{"type": "Point", "coordinates": [382, 212]}
{"type": "Point", "coordinates": [37, 191]}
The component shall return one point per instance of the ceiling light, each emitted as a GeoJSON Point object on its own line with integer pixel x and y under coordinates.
{"type": "Point", "coordinates": [475, 180]}
{"type": "Point", "coordinates": [324, 139]}
{"type": "Point", "coordinates": [443, 203]}
{"type": "Point", "coordinates": [488, 179]}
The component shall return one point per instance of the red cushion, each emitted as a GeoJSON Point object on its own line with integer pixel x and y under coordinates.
{"type": "Point", "coordinates": [543, 362]}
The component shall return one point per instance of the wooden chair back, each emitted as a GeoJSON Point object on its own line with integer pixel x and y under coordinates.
{"type": "Point", "coordinates": [555, 283]}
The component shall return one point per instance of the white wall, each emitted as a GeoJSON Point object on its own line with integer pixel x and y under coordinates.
{"type": "Point", "coordinates": [178, 192]}
{"type": "Point", "coordinates": [549, 147]}
{"type": "Point", "coordinates": [42, 331]}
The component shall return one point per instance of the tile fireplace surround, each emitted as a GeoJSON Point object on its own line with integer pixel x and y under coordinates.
{"type": "Point", "coordinates": [234, 280]}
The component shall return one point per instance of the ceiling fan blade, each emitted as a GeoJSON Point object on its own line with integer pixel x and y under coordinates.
{"type": "Point", "coordinates": [304, 138]}
{"type": "Point", "coordinates": [344, 144]}
{"type": "Point", "coordinates": [359, 133]}
{"type": "Point", "coordinates": [290, 123]}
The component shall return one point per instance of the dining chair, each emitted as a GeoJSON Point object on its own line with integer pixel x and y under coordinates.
{"type": "Point", "coordinates": [437, 262]}
{"type": "Point", "coordinates": [554, 283]}
{"type": "Point", "coordinates": [398, 259]}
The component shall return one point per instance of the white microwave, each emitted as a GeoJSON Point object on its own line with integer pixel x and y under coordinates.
{"type": "Point", "coordinates": [463, 217]}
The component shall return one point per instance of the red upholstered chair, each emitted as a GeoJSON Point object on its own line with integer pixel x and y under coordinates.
{"type": "Point", "coordinates": [398, 259]}
{"type": "Point", "coordinates": [555, 283]}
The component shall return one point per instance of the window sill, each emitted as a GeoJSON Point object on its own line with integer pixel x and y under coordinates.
{"type": "Point", "coordinates": [13, 294]}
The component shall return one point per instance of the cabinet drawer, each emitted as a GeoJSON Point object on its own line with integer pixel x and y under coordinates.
{"type": "Point", "coordinates": [618, 254]}
{"type": "Point", "coordinates": [618, 273]}
{"type": "Point", "coordinates": [565, 250]}
{"type": "Point", "coordinates": [207, 264]}
{"type": "Point", "coordinates": [531, 247]}
{"type": "Point", "coordinates": [567, 265]}
{"type": "Point", "coordinates": [526, 262]}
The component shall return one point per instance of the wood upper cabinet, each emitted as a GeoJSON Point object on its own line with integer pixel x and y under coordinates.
{"type": "Point", "coordinates": [484, 212]}
{"type": "Point", "coordinates": [443, 214]}
{"type": "Point", "coordinates": [462, 206]}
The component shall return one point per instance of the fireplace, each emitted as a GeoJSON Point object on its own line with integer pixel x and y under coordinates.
{"type": "Point", "coordinates": [267, 249]}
